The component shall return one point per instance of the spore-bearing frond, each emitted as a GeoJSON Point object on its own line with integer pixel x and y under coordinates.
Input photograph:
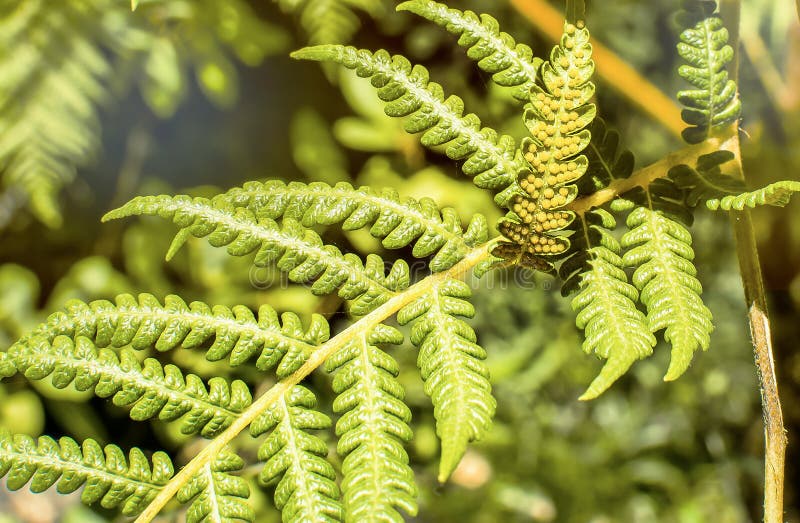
{"type": "Point", "coordinates": [294, 458]}
{"type": "Point", "coordinates": [398, 222]}
{"type": "Point", "coordinates": [109, 477]}
{"type": "Point", "coordinates": [149, 388]}
{"type": "Point", "coordinates": [450, 361]}
{"type": "Point", "coordinates": [510, 64]}
{"type": "Point", "coordinates": [372, 429]}
{"type": "Point", "coordinates": [557, 117]}
{"type": "Point", "coordinates": [704, 45]}
{"type": "Point", "coordinates": [144, 323]}
{"type": "Point", "coordinates": [492, 160]}
{"type": "Point", "coordinates": [216, 494]}
{"type": "Point", "coordinates": [294, 249]}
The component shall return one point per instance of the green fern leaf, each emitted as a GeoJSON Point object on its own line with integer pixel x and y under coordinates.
{"type": "Point", "coordinates": [372, 429]}
{"type": "Point", "coordinates": [109, 478]}
{"type": "Point", "coordinates": [606, 308]}
{"type": "Point", "coordinates": [714, 102]}
{"type": "Point", "coordinates": [146, 323]}
{"type": "Point", "coordinates": [777, 194]}
{"type": "Point", "coordinates": [493, 161]}
{"type": "Point", "coordinates": [295, 459]}
{"type": "Point", "coordinates": [294, 249]}
{"type": "Point", "coordinates": [706, 181]}
{"type": "Point", "coordinates": [510, 64]}
{"type": "Point", "coordinates": [330, 21]}
{"type": "Point", "coordinates": [451, 363]}
{"type": "Point", "coordinates": [660, 250]}
{"type": "Point", "coordinates": [149, 388]}
{"type": "Point", "coordinates": [217, 495]}
{"type": "Point", "coordinates": [607, 160]}
{"type": "Point", "coordinates": [397, 222]}
{"type": "Point", "coordinates": [557, 117]}
{"type": "Point", "coordinates": [44, 138]}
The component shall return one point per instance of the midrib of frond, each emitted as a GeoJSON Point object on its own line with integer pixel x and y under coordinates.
{"type": "Point", "coordinates": [450, 367]}
{"type": "Point", "coordinates": [186, 318]}
{"type": "Point", "coordinates": [217, 216]}
{"type": "Point", "coordinates": [667, 271]}
{"type": "Point", "coordinates": [487, 37]}
{"type": "Point", "coordinates": [52, 461]}
{"type": "Point", "coordinates": [356, 195]}
{"type": "Point", "coordinates": [296, 454]}
{"type": "Point", "coordinates": [138, 379]}
{"type": "Point", "coordinates": [213, 515]}
{"type": "Point", "coordinates": [440, 110]}
{"type": "Point", "coordinates": [712, 85]}
{"type": "Point", "coordinates": [367, 383]}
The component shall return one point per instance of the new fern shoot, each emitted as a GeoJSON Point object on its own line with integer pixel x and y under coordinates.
{"type": "Point", "coordinates": [574, 207]}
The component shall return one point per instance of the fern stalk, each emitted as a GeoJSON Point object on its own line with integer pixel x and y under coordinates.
{"type": "Point", "coordinates": [317, 358]}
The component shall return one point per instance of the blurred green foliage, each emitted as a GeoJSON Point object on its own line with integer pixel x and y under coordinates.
{"type": "Point", "coordinates": [687, 451]}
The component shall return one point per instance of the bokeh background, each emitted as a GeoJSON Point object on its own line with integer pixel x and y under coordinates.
{"type": "Point", "coordinates": [202, 96]}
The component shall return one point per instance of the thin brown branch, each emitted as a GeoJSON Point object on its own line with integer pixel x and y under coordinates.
{"type": "Point", "coordinates": [756, 299]}
{"type": "Point", "coordinates": [611, 68]}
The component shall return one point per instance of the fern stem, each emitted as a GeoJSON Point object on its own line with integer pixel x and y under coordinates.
{"type": "Point", "coordinates": [317, 358]}
{"type": "Point", "coordinates": [646, 175]}
{"type": "Point", "coordinates": [613, 70]}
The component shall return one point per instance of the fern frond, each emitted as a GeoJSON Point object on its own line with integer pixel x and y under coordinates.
{"type": "Point", "coordinates": [706, 181]}
{"type": "Point", "coordinates": [451, 364]}
{"type": "Point", "coordinates": [398, 223]}
{"type": "Point", "coordinates": [149, 388]}
{"type": "Point", "coordinates": [510, 64]}
{"type": "Point", "coordinates": [607, 160]}
{"type": "Point", "coordinates": [372, 429]}
{"type": "Point", "coordinates": [44, 138]}
{"type": "Point", "coordinates": [492, 160]}
{"type": "Point", "coordinates": [216, 494]}
{"type": "Point", "coordinates": [660, 250]}
{"type": "Point", "coordinates": [557, 117]}
{"type": "Point", "coordinates": [714, 102]}
{"type": "Point", "coordinates": [145, 323]}
{"type": "Point", "coordinates": [606, 306]}
{"type": "Point", "coordinates": [295, 459]}
{"type": "Point", "coordinates": [330, 21]}
{"type": "Point", "coordinates": [295, 249]}
{"type": "Point", "coordinates": [777, 194]}
{"type": "Point", "coordinates": [109, 478]}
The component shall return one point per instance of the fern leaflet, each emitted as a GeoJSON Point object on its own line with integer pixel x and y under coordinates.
{"type": "Point", "coordinates": [714, 101]}
{"type": "Point", "coordinates": [44, 138]}
{"type": "Point", "coordinates": [296, 250]}
{"type": "Point", "coordinates": [659, 248]}
{"type": "Point", "coordinates": [145, 323]}
{"type": "Point", "coordinates": [397, 222]}
{"type": "Point", "coordinates": [149, 388]}
{"type": "Point", "coordinates": [109, 477]}
{"type": "Point", "coordinates": [606, 307]}
{"type": "Point", "coordinates": [450, 362]}
{"type": "Point", "coordinates": [372, 429]}
{"type": "Point", "coordinates": [556, 117]}
{"type": "Point", "coordinates": [706, 181]}
{"type": "Point", "coordinates": [217, 495]}
{"type": "Point", "coordinates": [778, 194]}
{"type": "Point", "coordinates": [510, 64]}
{"type": "Point", "coordinates": [493, 161]}
{"type": "Point", "coordinates": [295, 459]}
